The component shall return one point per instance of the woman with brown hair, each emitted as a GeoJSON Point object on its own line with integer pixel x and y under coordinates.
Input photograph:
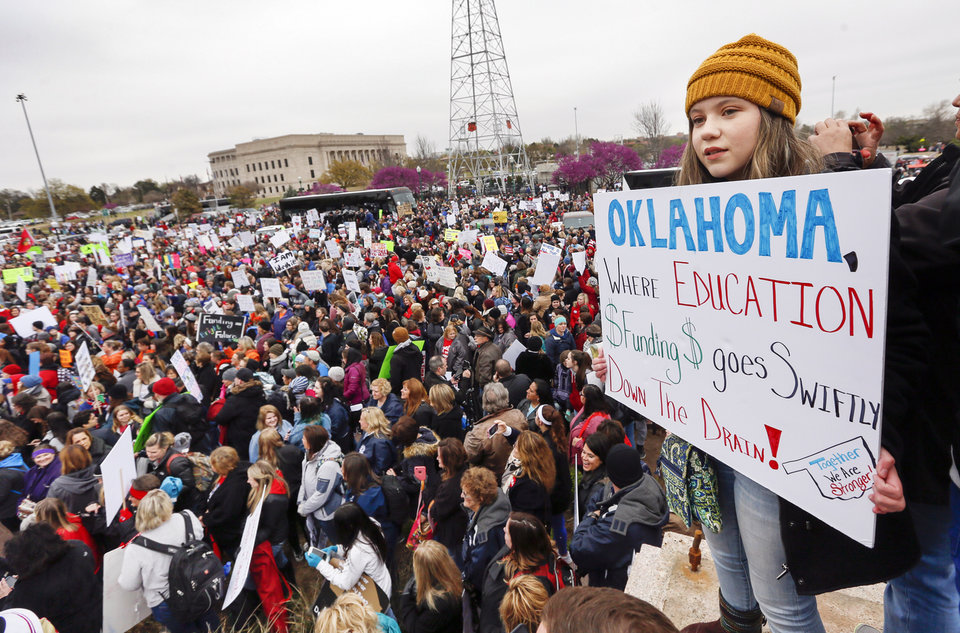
{"type": "Point", "coordinates": [527, 551]}
{"type": "Point", "coordinates": [447, 517]}
{"type": "Point", "coordinates": [224, 509]}
{"type": "Point", "coordinates": [268, 418]}
{"type": "Point", "coordinates": [378, 352]}
{"type": "Point", "coordinates": [553, 428]}
{"type": "Point", "coordinates": [415, 402]}
{"type": "Point", "coordinates": [530, 475]}
{"type": "Point", "coordinates": [54, 513]}
{"type": "Point", "coordinates": [95, 446]}
{"type": "Point", "coordinates": [430, 603]}
{"type": "Point", "coordinates": [76, 486]}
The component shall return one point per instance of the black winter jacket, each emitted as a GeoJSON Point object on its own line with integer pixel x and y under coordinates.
{"type": "Point", "coordinates": [239, 415]}
{"type": "Point", "coordinates": [224, 510]}
{"type": "Point", "coordinates": [407, 362]}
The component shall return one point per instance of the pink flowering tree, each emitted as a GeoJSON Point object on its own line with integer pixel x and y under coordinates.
{"type": "Point", "coordinates": [319, 187]}
{"type": "Point", "coordinates": [611, 161]}
{"type": "Point", "coordinates": [388, 177]}
{"type": "Point", "coordinates": [574, 172]}
{"type": "Point", "coordinates": [670, 156]}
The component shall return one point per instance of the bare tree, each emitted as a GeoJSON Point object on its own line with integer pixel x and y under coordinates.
{"type": "Point", "coordinates": [651, 124]}
{"type": "Point", "coordinates": [424, 148]}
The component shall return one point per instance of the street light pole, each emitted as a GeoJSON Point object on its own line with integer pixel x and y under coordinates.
{"type": "Point", "coordinates": [419, 184]}
{"type": "Point", "coordinates": [22, 98]}
{"type": "Point", "coordinates": [833, 93]}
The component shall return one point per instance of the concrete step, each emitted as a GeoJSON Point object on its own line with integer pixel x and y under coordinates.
{"type": "Point", "coordinates": [662, 577]}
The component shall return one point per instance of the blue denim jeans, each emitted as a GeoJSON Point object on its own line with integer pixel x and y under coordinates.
{"type": "Point", "coordinates": [925, 598]}
{"type": "Point", "coordinates": [163, 615]}
{"type": "Point", "coordinates": [748, 554]}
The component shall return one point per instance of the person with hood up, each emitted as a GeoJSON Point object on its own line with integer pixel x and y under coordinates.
{"type": "Point", "coordinates": [77, 487]}
{"type": "Point", "coordinates": [241, 410]}
{"type": "Point", "coordinates": [279, 359]}
{"type": "Point", "coordinates": [355, 391]}
{"type": "Point", "coordinates": [280, 318]}
{"type": "Point", "coordinates": [304, 339]}
{"type": "Point", "coordinates": [407, 361]}
{"type": "Point", "coordinates": [45, 470]}
{"type": "Point", "coordinates": [632, 511]}
{"type": "Point", "coordinates": [321, 488]}
{"type": "Point", "coordinates": [177, 412]}
{"type": "Point", "coordinates": [12, 472]}
{"type": "Point", "coordinates": [33, 386]}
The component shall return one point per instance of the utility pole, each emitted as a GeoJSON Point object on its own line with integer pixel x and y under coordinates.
{"type": "Point", "coordinates": [22, 98]}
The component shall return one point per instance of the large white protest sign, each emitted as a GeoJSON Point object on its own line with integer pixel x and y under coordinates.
{"type": "Point", "coordinates": [148, 319]}
{"type": "Point", "coordinates": [92, 277]}
{"type": "Point", "coordinates": [119, 470]}
{"type": "Point", "coordinates": [245, 303]}
{"type": "Point", "coordinates": [312, 217]}
{"type": "Point", "coordinates": [283, 261]}
{"type": "Point", "coordinates": [510, 355]}
{"type": "Point", "coordinates": [333, 249]}
{"type": "Point", "coordinates": [351, 230]}
{"type": "Point", "coordinates": [239, 278]}
{"type": "Point", "coordinates": [580, 260]}
{"type": "Point", "coordinates": [247, 238]}
{"type": "Point", "coordinates": [280, 238]}
{"type": "Point", "coordinates": [241, 566]}
{"type": "Point", "coordinates": [546, 269]}
{"type": "Point", "coordinates": [447, 277]}
{"type": "Point", "coordinates": [353, 259]}
{"type": "Point", "coordinates": [270, 286]}
{"type": "Point", "coordinates": [122, 610]}
{"type": "Point", "coordinates": [85, 366]}
{"type": "Point", "coordinates": [749, 318]}
{"type": "Point", "coordinates": [493, 263]}
{"type": "Point", "coordinates": [313, 280]}
{"type": "Point", "coordinates": [350, 279]}
{"type": "Point", "coordinates": [186, 375]}
{"type": "Point", "coordinates": [23, 324]}
{"type": "Point", "coordinates": [21, 289]}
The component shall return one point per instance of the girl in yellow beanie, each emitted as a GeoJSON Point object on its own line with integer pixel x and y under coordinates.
{"type": "Point", "coordinates": [742, 104]}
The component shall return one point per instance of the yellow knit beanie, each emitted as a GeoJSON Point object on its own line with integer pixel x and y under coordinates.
{"type": "Point", "coordinates": [751, 68]}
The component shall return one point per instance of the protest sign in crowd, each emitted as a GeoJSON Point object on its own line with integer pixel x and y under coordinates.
{"type": "Point", "coordinates": [193, 408]}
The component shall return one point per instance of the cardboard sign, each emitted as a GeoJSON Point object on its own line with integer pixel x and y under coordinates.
{"type": "Point", "coordinates": [21, 290]}
{"type": "Point", "coordinates": [280, 238]}
{"type": "Point", "coordinates": [247, 238]}
{"type": "Point", "coordinates": [239, 278]}
{"type": "Point", "coordinates": [313, 280]}
{"type": "Point", "coordinates": [500, 217]}
{"type": "Point", "coordinates": [580, 260]}
{"type": "Point", "coordinates": [490, 243]}
{"type": "Point", "coordinates": [283, 261]}
{"type": "Point", "coordinates": [124, 259]}
{"type": "Point", "coordinates": [378, 250]}
{"type": "Point", "coordinates": [513, 352]}
{"type": "Point", "coordinates": [241, 566]}
{"type": "Point", "coordinates": [96, 315]}
{"type": "Point", "coordinates": [219, 328]}
{"type": "Point", "coordinates": [350, 279]}
{"type": "Point", "coordinates": [749, 318]}
{"type": "Point", "coordinates": [333, 249]}
{"type": "Point", "coordinates": [450, 235]}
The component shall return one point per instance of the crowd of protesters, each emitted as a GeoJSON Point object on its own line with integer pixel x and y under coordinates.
{"type": "Point", "coordinates": [467, 422]}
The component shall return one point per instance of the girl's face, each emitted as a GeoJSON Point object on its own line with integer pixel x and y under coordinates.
{"type": "Point", "coordinates": [43, 459]}
{"type": "Point", "coordinates": [590, 461]}
{"type": "Point", "coordinates": [154, 452]}
{"type": "Point", "coordinates": [251, 481]}
{"type": "Point", "coordinates": [568, 362]}
{"type": "Point", "coordinates": [123, 416]}
{"type": "Point", "coordinates": [404, 393]}
{"type": "Point", "coordinates": [81, 439]}
{"type": "Point", "coordinates": [271, 420]}
{"type": "Point", "coordinates": [725, 135]}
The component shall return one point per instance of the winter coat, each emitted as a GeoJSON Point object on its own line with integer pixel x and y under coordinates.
{"type": "Point", "coordinates": [148, 570]}
{"type": "Point", "coordinates": [392, 407]}
{"type": "Point", "coordinates": [492, 451]}
{"type": "Point", "coordinates": [254, 447]}
{"type": "Point", "coordinates": [517, 385]}
{"type": "Point", "coordinates": [591, 484]}
{"type": "Point", "coordinates": [341, 431]}
{"type": "Point", "coordinates": [606, 539]}
{"type": "Point", "coordinates": [495, 581]}
{"type": "Point", "coordinates": [461, 353]}
{"type": "Point", "coordinates": [561, 496]}
{"type": "Point", "coordinates": [484, 360]}
{"type": "Point", "coordinates": [483, 539]}
{"type": "Point", "coordinates": [424, 414]}
{"type": "Point", "coordinates": [361, 558]}
{"type": "Point", "coordinates": [375, 362]}
{"type": "Point", "coordinates": [208, 380]}
{"type": "Point", "coordinates": [422, 452]}
{"type": "Point", "coordinates": [447, 614]}
{"type": "Point", "coordinates": [557, 343]}
{"type": "Point", "coordinates": [174, 464]}
{"type": "Point", "coordinates": [407, 362]}
{"type": "Point", "coordinates": [535, 365]}
{"type": "Point", "coordinates": [67, 592]}
{"type": "Point", "coordinates": [355, 389]}
{"type": "Point", "coordinates": [37, 481]}
{"type": "Point", "coordinates": [321, 487]}
{"type": "Point", "coordinates": [224, 510]}
{"type": "Point", "coordinates": [273, 526]}
{"type": "Point", "coordinates": [77, 490]}
{"type": "Point", "coordinates": [449, 424]}
{"type": "Point", "coordinates": [379, 452]}
{"type": "Point", "coordinates": [239, 414]}
{"type": "Point", "coordinates": [447, 513]}
{"type": "Point", "coordinates": [170, 417]}
{"type": "Point", "coordinates": [12, 472]}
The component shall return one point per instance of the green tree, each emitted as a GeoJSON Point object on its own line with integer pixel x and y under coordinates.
{"type": "Point", "coordinates": [186, 201]}
{"type": "Point", "coordinates": [290, 192]}
{"type": "Point", "coordinates": [347, 173]}
{"type": "Point", "coordinates": [66, 198]}
{"type": "Point", "coordinates": [98, 195]}
{"type": "Point", "coordinates": [241, 197]}
{"type": "Point", "coordinates": [142, 187]}
{"type": "Point", "coordinates": [10, 200]}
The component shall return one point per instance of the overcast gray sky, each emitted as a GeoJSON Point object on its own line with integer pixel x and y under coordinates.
{"type": "Point", "coordinates": [124, 90]}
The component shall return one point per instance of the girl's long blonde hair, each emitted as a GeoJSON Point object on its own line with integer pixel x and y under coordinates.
{"type": "Point", "coordinates": [348, 613]}
{"type": "Point", "coordinates": [536, 459]}
{"type": "Point", "coordinates": [263, 474]}
{"type": "Point", "coordinates": [436, 574]}
{"type": "Point", "coordinates": [779, 152]}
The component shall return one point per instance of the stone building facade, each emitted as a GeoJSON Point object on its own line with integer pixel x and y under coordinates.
{"type": "Point", "coordinates": [298, 160]}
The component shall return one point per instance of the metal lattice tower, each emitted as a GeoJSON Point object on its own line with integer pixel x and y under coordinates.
{"type": "Point", "coordinates": [485, 139]}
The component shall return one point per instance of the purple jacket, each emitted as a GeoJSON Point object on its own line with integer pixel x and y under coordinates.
{"type": "Point", "coordinates": [355, 384]}
{"type": "Point", "coordinates": [37, 481]}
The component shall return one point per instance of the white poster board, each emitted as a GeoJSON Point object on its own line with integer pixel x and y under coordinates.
{"type": "Point", "coordinates": [280, 238]}
{"type": "Point", "coordinates": [85, 366]}
{"type": "Point", "coordinates": [313, 280]}
{"type": "Point", "coordinates": [270, 287]}
{"type": "Point", "coordinates": [749, 318]}
{"type": "Point", "coordinates": [245, 303]}
{"type": "Point", "coordinates": [333, 249]}
{"type": "Point", "coordinates": [241, 566]}
{"type": "Point", "coordinates": [512, 352]}
{"type": "Point", "coordinates": [119, 470]}
{"type": "Point", "coordinates": [283, 261]}
{"type": "Point", "coordinates": [186, 375]}
{"type": "Point", "coordinates": [546, 269]}
{"type": "Point", "coordinates": [23, 324]}
{"type": "Point", "coordinates": [148, 319]}
{"type": "Point", "coordinates": [122, 610]}
{"type": "Point", "coordinates": [239, 278]}
{"type": "Point", "coordinates": [493, 263]}
{"type": "Point", "coordinates": [580, 260]}
{"type": "Point", "coordinates": [247, 238]}
{"type": "Point", "coordinates": [350, 279]}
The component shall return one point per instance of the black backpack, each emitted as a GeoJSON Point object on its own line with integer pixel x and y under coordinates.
{"type": "Point", "coordinates": [196, 580]}
{"type": "Point", "coordinates": [398, 504]}
{"type": "Point", "coordinates": [191, 416]}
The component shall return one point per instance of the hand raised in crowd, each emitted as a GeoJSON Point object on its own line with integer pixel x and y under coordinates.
{"type": "Point", "coordinates": [600, 366]}
{"type": "Point", "coordinates": [832, 136]}
{"type": "Point", "coordinates": [868, 135]}
{"type": "Point", "coordinates": [887, 493]}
